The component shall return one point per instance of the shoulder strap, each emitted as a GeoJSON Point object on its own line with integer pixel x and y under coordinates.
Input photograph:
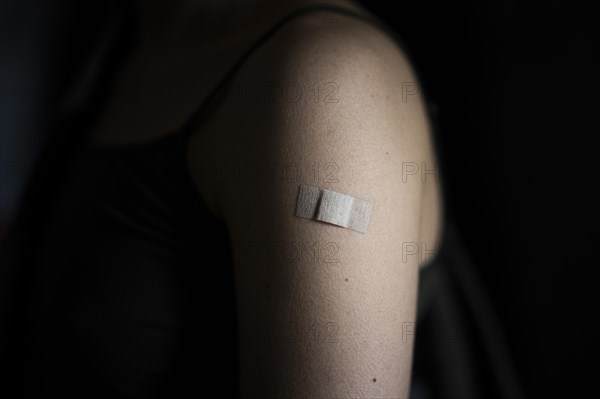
{"type": "Point", "coordinates": [189, 125]}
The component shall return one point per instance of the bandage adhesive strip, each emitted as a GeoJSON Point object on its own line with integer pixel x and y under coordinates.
{"type": "Point", "coordinates": [333, 207]}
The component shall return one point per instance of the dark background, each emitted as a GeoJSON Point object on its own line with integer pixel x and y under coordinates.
{"type": "Point", "coordinates": [517, 91]}
{"type": "Point", "coordinates": [515, 87]}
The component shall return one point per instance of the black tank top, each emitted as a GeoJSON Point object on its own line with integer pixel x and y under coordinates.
{"type": "Point", "coordinates": [132, 294]}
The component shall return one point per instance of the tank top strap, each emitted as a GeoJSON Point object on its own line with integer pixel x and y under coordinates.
{"type": "Point", "coordinates": [188, 127]}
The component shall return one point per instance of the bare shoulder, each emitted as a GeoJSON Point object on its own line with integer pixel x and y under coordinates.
{"type": "Point", "coordinates": [329, 100]}
{"type": "Point", "coordinates": [322, 104]}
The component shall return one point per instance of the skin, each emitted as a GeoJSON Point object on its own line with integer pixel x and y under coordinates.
{"type": "Point", "coordinates": [324, 311]}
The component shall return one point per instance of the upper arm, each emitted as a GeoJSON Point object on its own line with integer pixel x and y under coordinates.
{"type": "Point", "coordinates": [325, 311]}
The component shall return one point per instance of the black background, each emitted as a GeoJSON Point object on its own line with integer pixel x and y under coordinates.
{"type": "Point", "coordinates": [515, 87]}
{"type": "Point", "coordinates": [517, 93]}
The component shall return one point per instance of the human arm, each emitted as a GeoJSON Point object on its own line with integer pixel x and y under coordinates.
{"type": "Point", "coordinates": [310, 326]}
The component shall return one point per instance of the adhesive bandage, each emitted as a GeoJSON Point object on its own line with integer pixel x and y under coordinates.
{"type": "Point", "coordinates": [333, 207]}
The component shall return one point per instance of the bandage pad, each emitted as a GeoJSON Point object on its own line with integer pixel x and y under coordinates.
{"type": "Point", "coordinates": [333, 207]}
